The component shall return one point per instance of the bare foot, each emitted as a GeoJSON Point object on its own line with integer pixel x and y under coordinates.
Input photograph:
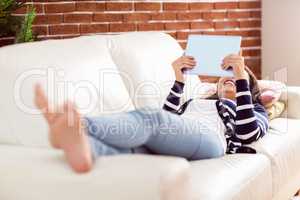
{"type": "Point", "coordinates": [66, 132]}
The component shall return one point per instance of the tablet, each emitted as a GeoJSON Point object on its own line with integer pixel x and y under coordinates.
{"type": "Point", "coordinates": [209, 51]}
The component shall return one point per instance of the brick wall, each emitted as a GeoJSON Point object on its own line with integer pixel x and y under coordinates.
{"type": "Point", "coordinates": [64, 19]}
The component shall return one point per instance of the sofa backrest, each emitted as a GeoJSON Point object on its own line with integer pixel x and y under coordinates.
{"type": "Point", "coordinates": [145, 62]}
{"type": "Point", "coordinates": [78, 69]}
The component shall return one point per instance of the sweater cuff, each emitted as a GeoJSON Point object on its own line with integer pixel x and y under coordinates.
{"type": "Point", "coordinates": [242, 85]}
{"type": "Point", "coordinates": [178, 87]}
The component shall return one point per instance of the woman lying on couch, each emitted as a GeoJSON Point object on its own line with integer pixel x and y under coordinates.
{"type": "Point", "coordinates": [178, 130]}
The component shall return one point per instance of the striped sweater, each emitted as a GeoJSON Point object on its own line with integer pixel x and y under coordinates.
{"type": "Point", "coordinates": [244, 120]}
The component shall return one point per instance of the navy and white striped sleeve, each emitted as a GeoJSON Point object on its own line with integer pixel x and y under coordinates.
{"type": "Point", "coordinates": [251, 122]}
{"type": "Point", "coordinates": [172, 102]}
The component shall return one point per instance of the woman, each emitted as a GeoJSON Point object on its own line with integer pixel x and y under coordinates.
{"type": "Point", "coordinates": [186, 130]}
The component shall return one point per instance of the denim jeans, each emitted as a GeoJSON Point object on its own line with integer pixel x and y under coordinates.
{"type": "Point", "coordinates": [159, 131]}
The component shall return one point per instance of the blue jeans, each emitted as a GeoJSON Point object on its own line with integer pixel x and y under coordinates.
{"type": "Point", "coordinates": [155, 130]}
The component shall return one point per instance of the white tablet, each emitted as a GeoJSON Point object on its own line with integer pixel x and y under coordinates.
{"type": "Point", "coordinates": [209, 51]}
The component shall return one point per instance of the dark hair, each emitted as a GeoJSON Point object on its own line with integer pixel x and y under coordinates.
{"type": "Point", "coordinates": [254, 87]}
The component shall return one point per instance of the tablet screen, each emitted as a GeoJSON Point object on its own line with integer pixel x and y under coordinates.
{"type": "Point", "coordinates": [209, 51]}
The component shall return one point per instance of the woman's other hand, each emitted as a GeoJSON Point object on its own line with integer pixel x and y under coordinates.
{"type": "Point", "coordinates": [237, 63]}
{"type": "Point", "coordinates": [182, 63]}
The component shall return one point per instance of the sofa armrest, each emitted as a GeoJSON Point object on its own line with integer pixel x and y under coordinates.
{"type": "Point", "coordinates": [291, 96]}
{"type": "Point", "coordinates": [43, 174]}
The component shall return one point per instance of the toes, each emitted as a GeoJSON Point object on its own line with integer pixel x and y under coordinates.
{"type": "Point", "coordinates": [41, 100]}
{"type": "Point", "coordinates": [42, 103]}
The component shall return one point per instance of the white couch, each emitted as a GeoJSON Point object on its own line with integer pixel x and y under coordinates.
{"type": "Point", "coordinates": [114, 73]}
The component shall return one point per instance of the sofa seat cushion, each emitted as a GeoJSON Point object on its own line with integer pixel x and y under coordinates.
{"type": "Point", "coordinates": [37, 173]}
{"type": "Point", "coordinates": [282, 146]}
{"type": "Point", "coordinates": [239, 176]}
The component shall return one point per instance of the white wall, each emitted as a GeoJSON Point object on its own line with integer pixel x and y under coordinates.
{"type": "Point", "coordinates": [281, 40]}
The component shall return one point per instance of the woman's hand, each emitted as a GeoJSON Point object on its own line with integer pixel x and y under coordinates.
{"type": "Point", "coordinates": [182, 63]}
{"type": "Point", "coordinates": [237, 63]}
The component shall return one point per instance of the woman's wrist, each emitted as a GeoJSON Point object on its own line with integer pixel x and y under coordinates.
{"type": "Point", "coordinates": [180, 80]}
{"type": "Point", "coordinates": [179, 76]}
{"type": "Point", "coordinates": [241, 75]}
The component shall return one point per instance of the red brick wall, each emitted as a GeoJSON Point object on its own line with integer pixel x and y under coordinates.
{"type": "Point", "coordinates": [62, 19]}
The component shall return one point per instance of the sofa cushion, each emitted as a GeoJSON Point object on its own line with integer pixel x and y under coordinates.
{"type": "Point", "coordinates": [79, 69]}
{"type": "Point", "coordinates": [282, 146]}
{"type": "Point", "coordinates": [145, 60]}
{"type": "Point", "coordinates": [233, 177]}
{"type": "Point", "coordinates": [270, 92]}
{"type": "Point", "coordinates": [291, 98]}
{"type": "Point", "coordinates": [36, 173]}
